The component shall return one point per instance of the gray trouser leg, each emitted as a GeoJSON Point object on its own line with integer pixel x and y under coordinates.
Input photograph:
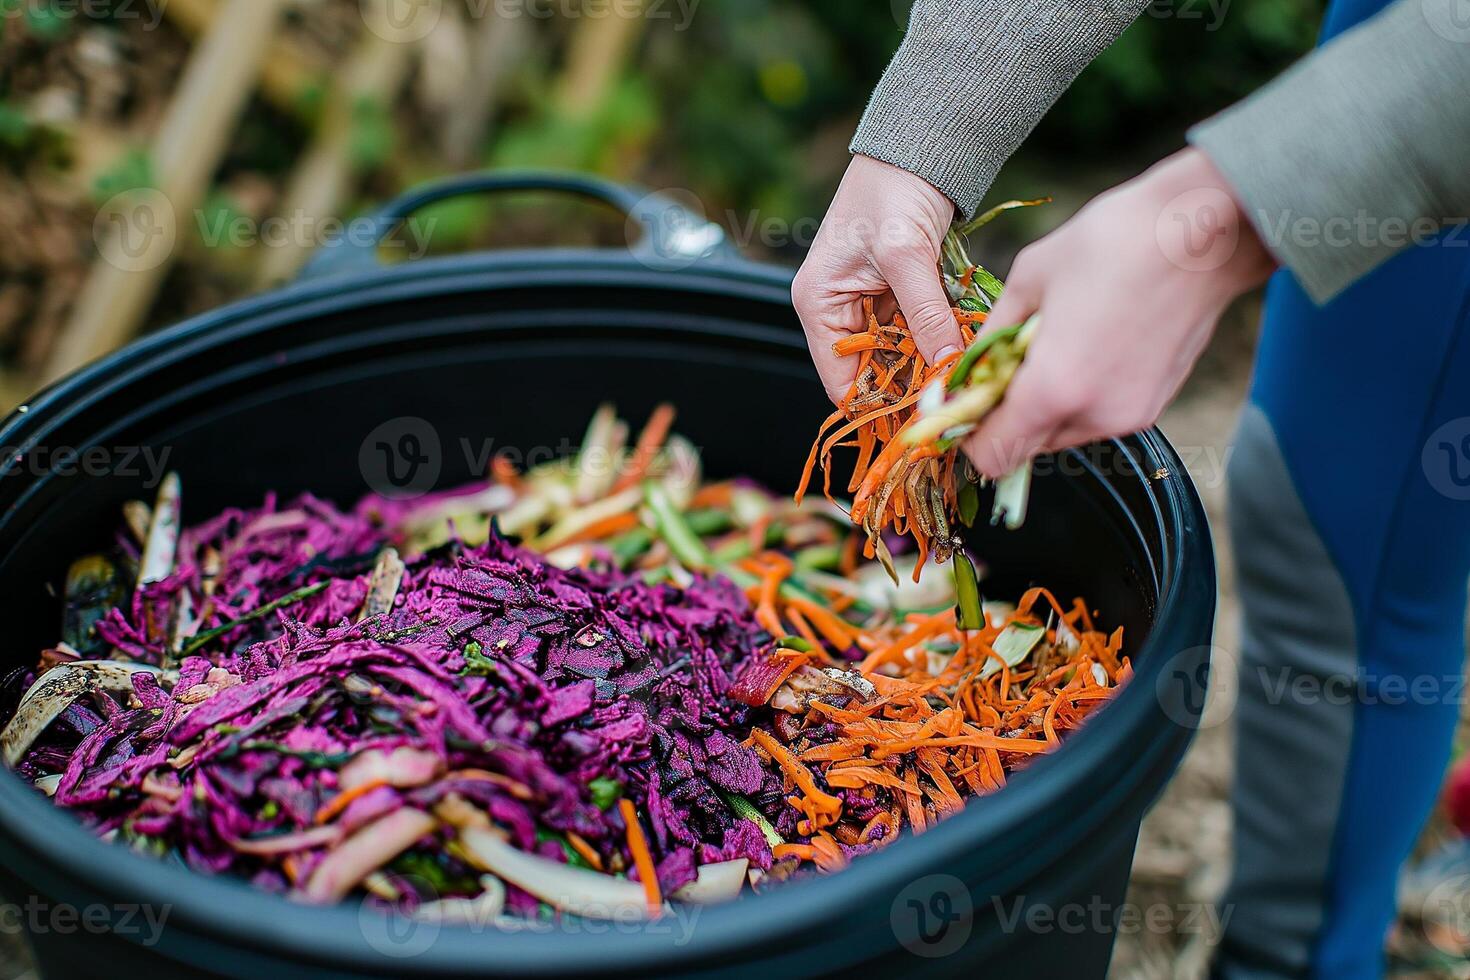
{"type": "Point", "coordinates": [1291, 750]}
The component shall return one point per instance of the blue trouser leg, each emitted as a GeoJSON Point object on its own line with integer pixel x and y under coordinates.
{"type": "Point", "coordinates": [1350, 508]}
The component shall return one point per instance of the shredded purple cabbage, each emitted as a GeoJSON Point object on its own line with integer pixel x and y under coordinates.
{"type": "Point", "coordinates": [536, 693]}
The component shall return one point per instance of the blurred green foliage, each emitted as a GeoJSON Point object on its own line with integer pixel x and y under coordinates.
{"type": "Point", "coordinates": [752, 105]}
{"type": "Point", "coordinates": [757, 93]}
{"type": "Point", "coordinates": [1182, 60]}
{"type": "Point", "coordinates": [749, 104]}
{"type": "Point", "coordinates": [132, 170]}
{"type": "Point", "coordinates": [45, 20]}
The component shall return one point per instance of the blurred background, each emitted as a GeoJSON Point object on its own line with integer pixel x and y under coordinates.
{"type": "Point", "coordinates": [250, 124]}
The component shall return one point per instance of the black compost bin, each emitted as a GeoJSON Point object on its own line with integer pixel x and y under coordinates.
{"type": "Point", "coordinates": [282, 392]}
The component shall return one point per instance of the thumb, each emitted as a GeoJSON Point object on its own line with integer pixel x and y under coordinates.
{"type": "Point", "coordinates": [914, 279]}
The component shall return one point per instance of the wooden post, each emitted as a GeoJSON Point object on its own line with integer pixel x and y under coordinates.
{"type": "Point", "coordinates": [322, 178]}
{"type": "Point", "coordinates": [599, 48]}
{"type": "Point", "coordinates": [290, 71]}
{"type": "Point", "coordinates": [499, 46]}
{"type": "Point", "coordinates": [138, 236]}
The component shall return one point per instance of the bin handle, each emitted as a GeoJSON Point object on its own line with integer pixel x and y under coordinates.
{"type": "Point", "coordinates": [673, 235]}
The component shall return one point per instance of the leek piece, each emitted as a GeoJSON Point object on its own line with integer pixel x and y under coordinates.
{"type": "Point", "coordinates": [969, 615]}
{"type": "Point", "coordinates": [1014, 644]}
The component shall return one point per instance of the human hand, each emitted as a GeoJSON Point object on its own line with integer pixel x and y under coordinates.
{"type": "Point", "coordinates": [1129, 291]}
{"type": "Point", "coordinates": [881, 237]}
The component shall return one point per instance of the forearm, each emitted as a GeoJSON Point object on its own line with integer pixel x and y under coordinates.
{"type": "Point", "coordinates": [972, 79]}
{"type": "Point", "coordinates": [1358, 150]}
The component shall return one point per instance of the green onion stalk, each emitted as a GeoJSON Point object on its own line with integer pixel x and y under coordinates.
{"type": "Point", "coordinates": [974, 388]}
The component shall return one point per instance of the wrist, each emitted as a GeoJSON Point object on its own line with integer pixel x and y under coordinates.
{"type": "Point", "coordinates": [1202, 226]}
{"type": "Point", "coordinates": [937, 204]}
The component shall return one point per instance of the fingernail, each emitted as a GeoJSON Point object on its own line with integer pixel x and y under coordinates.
{"type": "Point", "coordinates": [949, 351]}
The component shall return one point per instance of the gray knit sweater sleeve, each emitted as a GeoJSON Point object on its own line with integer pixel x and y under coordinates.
{"type": "Point", "coordinates": [973, 77]}
{"type": "Point", "coordinates": [1360, 149]}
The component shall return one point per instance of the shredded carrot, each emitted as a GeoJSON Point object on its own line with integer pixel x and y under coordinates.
{"type": "Point", "coordinates": [909, 489]}
{"type": "Point", "coordinates": [504, 472]}
{"type": "Point", "coordinates": [803, 628]}
{"type": "Point", "coordinates": [838, 633]}
{"type": "Point", "coordinates": [798, 773]}
{"type": "Point", "coordinates": [757, 532]}
{"type": "Point", "coordinates": [938, 715]}
{"type": "Point", "coordinates": [712, 495]}
{"type": "Point", "coordinates": [585, 850]}
{"type": "Point", "coordinates": [650, 441]}
{"type": "Point", "coordinates": [775, 569]}
{"type": "Point", "coordinates": [832, 752]}
{"type": "Point", "coordinates": [827, 854]}
{"type": "Point", "coordinates": [343, 799]}
{"type": "Point", "coordinates": [642, 858]}
{"type": "Point", "coordinates": [605, 528]}
{"type": "Point", "coordinates": [516, 788]}
{"type": "Point", "coordinates": [802, 852]}
{"type": "Point", "coordinates": [855, 777]}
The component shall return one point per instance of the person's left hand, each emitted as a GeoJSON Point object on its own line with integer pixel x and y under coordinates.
{"type": "Point", "coordinates": [1129, 291]}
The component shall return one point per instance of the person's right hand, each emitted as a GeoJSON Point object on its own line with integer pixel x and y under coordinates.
{"type": "Point", "coordinates": [1129, 290]}
{"type": "Point", "coordinates": [881, 237]}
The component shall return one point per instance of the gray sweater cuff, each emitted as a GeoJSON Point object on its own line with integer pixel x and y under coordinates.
{"type": "Point", "coordinates": [971, 80]}
{"type": "Point", "coordinates": [1357, 151]}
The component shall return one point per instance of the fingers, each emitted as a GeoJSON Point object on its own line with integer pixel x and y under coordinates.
{"type": "Point", "coordinates": [1022, 294]}
{"type": "Point", "coordinates": [1011, 435]}
{"type": "Point", "coordinates": [1034, 407]}
{"type": "Point", "coordinates": [826, 318]}
{"type": "Point", "coordinates": [913, 275]}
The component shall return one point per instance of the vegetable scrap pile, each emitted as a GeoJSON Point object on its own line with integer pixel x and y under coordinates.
{"type": "Point", "coordinates": [906, 417]}
{"type": "Point", "coordinates": [589, 689]}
